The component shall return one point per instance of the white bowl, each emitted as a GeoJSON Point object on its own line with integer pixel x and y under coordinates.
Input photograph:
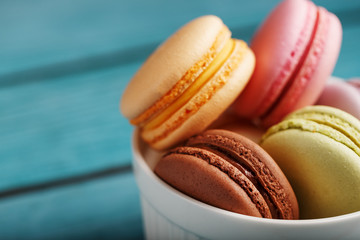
{"type": "Point", "coordinates": [169, 214]}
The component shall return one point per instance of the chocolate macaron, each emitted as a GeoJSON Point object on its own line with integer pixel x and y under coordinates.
{"type": "Point", "coordinates": [226, 170]}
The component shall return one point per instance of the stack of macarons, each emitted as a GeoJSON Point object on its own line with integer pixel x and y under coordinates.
{"type": "Point", "coordinates": [274, 155]}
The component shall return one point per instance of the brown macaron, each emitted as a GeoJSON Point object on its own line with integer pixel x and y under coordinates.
{"type": "Point", "coordinates": [226, 170]}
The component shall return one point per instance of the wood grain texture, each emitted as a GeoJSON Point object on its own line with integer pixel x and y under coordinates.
{"type": "Point", "coordinates": [41, 33]}
{"type": "Point", "coordinates": [63, 127]}
{"type": "Point", "coordinates": [103, 209]}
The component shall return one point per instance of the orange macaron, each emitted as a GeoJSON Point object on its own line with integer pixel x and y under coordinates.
{"type": "Point", "coordinates": [187, 82]}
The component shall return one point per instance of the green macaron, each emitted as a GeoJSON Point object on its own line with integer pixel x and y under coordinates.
{"type": "Point", "coordinates": [318, 149]}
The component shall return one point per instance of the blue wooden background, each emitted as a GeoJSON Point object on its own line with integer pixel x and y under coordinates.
{"type": "Point", "coordinates": [65, 160]}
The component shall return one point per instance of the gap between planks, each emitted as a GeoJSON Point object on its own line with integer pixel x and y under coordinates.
{"type": "Point", "coordinates": [66, 181]}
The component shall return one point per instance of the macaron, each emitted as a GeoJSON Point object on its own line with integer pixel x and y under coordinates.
{"type": "Point", "coordinates": [342, 94]}
{"type": "Point", "coordinates": [355, 82]}
{"type": "Point", "coordinates": [318, 149]}
{"type": "Point", "coordinates": [296, 49]}
{"type": "Point", "coordinates": [228, 171]}
{"type": "Point", "coordinates": [187, 82]}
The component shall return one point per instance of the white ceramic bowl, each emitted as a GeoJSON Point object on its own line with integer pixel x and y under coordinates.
{"type": "Point", "coordinates": [169, 214]}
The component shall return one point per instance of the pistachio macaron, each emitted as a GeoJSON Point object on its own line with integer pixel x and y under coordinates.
{"type": "Point", "coordinates": [187, 82]}
{"type": "Point", "coordinates": [318, 149]}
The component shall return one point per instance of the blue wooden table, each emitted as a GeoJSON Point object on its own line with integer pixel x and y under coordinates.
{"type": "Point", "coordinates": [65, 160]}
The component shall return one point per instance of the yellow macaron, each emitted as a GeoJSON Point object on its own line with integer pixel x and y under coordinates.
{"type": "Point", "coordinates": [318, 149]}
{"type": "Point", "coordinates": [187, 82]}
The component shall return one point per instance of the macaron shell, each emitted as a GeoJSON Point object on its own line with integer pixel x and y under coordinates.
{"type": "Point", "coordinates": [324, 173]}
{"type": "Point", "coordinates": [355, 82]}
{"type": "Point", "coordinates": [205, 182]}
{"type": "Point", "coordinates": [169, 62]}
{"type": "Point", "coordinates": [278, 46]}
{"type": "Point", "coordinates": [342, 95]}
{"type": "Point", "coordinates": [206, 113]}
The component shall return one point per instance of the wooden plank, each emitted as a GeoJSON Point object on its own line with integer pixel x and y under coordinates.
{"type": "Point", "coordinates": [107, 208]}
{"type": "Point", "coordinates": [349, 62]}
{"type": "Point", "coordinates": [43, 32]}
{"type": "Point", "coordinates": [63, 127]}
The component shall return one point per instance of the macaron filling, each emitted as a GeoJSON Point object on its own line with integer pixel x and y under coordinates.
{"type": "Point", "coordinates": [204, 77]}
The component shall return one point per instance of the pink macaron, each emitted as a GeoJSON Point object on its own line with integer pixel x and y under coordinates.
{"type": "Point", "coordinates": [342, 94]}
{"type": "Point", "coordinates": [355, 82]}
{"type": "Point", "coordinates": [296, 49]}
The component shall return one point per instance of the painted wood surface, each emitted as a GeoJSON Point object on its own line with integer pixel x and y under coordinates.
{"type": "Point", "coordinates": [105, 208]}
{"type": "Point", "coordinates": [38, 34]}
{"type": "Point", "coordinates": [64, 147]}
